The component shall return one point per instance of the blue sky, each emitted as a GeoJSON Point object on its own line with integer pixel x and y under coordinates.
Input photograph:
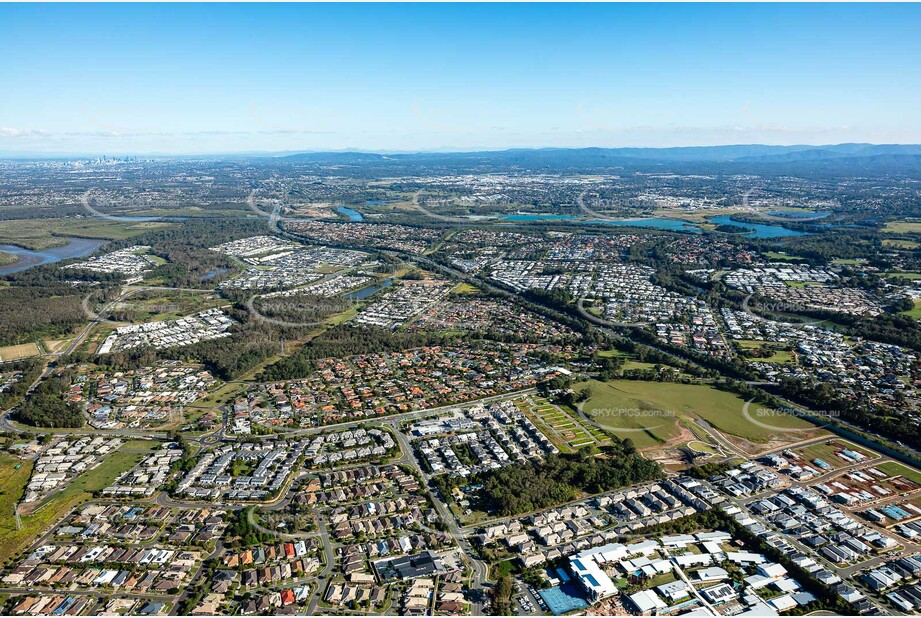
{"type": "Point", "coordinates": [193, 78]}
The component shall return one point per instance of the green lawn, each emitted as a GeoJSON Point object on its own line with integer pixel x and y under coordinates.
{"type": "Point", "coordinates": [750, 344]}
{"type": "Point", "coordinates": [701, 447]}
{"type": "Point", "coordinates": [780, 356]}
{"type": "Point", "coordinates": [465, 289]}
{"type": "Point", "coordinates": [903, 275]}
{"type": "Point", "coordinates": [611, 353]}
{"type": "Point", "coordinates": [648, 412]}
{"type": "Point", "coordinates": [781, 257]}
{"type": "Point", "coordinates": [914, 312]}
{"type": "Point", "coordinates": [894, 468]}
{"type": "Point", "coordinates": [58, 503]}
{"type": "Point", "coordinates": [12, 483]}
{"type": "Point", "coordinates": [506, 567]}
{"type": "Point", "coordinates": [903, 227]}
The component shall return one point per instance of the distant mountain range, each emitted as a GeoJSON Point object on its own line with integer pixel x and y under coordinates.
{"type": "Point", "coordinates": [746, 153]}
{"type": "Point", "coordinates": [835, 160]}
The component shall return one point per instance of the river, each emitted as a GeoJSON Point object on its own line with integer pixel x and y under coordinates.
{"type": "Point", "coordinates": [75, 248]}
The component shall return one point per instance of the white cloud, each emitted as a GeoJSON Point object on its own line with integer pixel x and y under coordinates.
{"type": "Point", "coordinates": [12, 132]}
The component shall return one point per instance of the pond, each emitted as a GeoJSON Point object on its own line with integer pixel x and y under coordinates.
{"type": "Point", "coordinates": [211, 274]}
{"type": "Point", "coordinates": [353, 215]}
{"type": "Point", "coordinates": [365, 292]}
{"type": "Point", "coordinates": [75, 248]}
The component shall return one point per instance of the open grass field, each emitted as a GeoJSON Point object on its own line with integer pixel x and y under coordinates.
{"type": "Point", "coordinates": [827, 452]}
{"type": "Point", "coordinates": [12, 483]}
{"type": "Point", "coordinates": [894, 468]}
{"type": "Point", "coordinates": [914, 312]}
{"type": "Point", "coordinates": [465, 289]}
{"type": "Point", "coordinates": [903, 227]}
{"type": "Point", "coordinates": [39, 234]}
{"type": "Point", "coordinates": [750, 344]}
{"type": "Point", "coordinates": [611, 354]}
{"type": "Point", "coordinates": [23, 350]}
{"type": "Point", "coordinates": [225, 393]}
{"type": "Point", "coordinates": [780, 356]}
{"type": "Point", "coordinates": [59, 503]}
{"type": "Point", "coordinates": [903, 275]}
{"type": "Point", "coordinates": [8, 258]}
{"type": "Point", "coordinates": [782, 257]}
{"type": "Point", "coordinates": [701, 447]}
{"type": "Point", "coordinates": [900, 244]}
{"type": "Point", "coordinates": [649, 412]}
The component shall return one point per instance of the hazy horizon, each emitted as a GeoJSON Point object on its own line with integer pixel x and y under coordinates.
{"type": "Point", "coordinates": [385, 152]}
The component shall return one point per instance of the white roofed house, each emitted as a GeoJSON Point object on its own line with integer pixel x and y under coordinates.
{"type": "Point", "coordinates": [647, 602]}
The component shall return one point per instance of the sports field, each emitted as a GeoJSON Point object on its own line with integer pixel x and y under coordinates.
{"type": "Point", "coordinates": [648, 412]}
{"type": "Point", "coordinates": [23, 350]}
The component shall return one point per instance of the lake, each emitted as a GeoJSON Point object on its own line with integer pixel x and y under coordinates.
{"type": "Point", "coordinates": [365, 292]}
{"type": "Point", "coordinates": [759, 230]}
{"type": "Point", "coordinates": [353, 215]}
{"type": "Point", "coordinates": [659, 223]}
{"type": "Point", "coordinates": [75, 248]}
